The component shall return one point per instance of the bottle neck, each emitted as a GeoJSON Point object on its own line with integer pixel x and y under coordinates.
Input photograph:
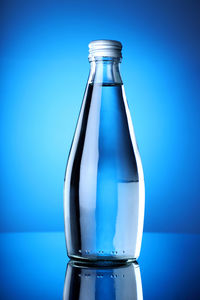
{"type": "Point", "coordinates": [105, 70]}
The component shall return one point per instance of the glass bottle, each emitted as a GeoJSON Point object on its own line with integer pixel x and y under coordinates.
{"type": "Point", "coordinates": [109, 283]}
{"type": "Point", "coordinates": [104, 183]}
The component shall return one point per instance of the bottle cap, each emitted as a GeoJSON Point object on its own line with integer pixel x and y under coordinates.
{"type": "Point", "coordinates": [109, 48]}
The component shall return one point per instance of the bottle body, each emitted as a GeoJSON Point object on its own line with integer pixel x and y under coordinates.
{"type": "Point", "coordinates": [104, 183]}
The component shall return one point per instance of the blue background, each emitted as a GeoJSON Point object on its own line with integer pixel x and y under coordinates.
{"type": "Point", "coordinates": [44, 69]}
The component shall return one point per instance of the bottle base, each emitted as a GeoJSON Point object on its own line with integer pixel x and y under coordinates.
{"type": "Point", "coordinates": [101, 261]}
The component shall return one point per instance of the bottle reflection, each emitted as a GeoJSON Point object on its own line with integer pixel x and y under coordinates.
{"type": "Point", "coordinates": [102, 283]}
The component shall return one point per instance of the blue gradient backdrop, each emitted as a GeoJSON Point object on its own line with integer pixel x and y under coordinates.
{"type": "Point", "coordinates": [44, 70]}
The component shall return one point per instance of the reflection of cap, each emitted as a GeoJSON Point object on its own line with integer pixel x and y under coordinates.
{"type": "Point", "coordinates": [107, 48]}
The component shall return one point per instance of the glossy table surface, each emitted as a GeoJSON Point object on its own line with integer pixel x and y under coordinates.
{"type": "Point", "coordinates": [33, 266]}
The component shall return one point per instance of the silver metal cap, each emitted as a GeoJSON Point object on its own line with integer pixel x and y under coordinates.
{"type": "Point", "coordinates": [109, 48]}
